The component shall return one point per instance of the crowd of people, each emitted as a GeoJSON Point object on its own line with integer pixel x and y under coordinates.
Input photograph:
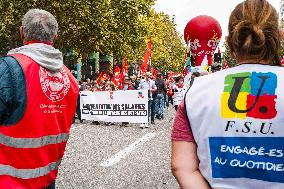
{"type": "Point", "coordinates": [163, 91]}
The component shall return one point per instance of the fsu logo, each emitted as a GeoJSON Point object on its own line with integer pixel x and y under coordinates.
{"type": "Point", "coordinates": [250, 95]}
{"type": "Point", "coordinates": [55, 85]}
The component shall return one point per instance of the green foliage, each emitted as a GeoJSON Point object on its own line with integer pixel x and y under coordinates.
{"type": "Point", "coordinates": [168, 47]}
{"type": "Point", "coordinates": [86, 25]}
{"type": "Point", "coordinates": [227, 56]}
{"type": "Point", "coordinates": [121, 27]}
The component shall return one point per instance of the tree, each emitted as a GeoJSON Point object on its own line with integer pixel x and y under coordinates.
{"type": "Point", "coordinates": [126, 30]}
{"type": "Point", "coordinates": [85, 25]}
{"type": "Point", "coordinates": [118, 27]}
{"type": "Point", "coordinates": [227, 56]}
{"type": "Point", "coordinates": [168, 47]}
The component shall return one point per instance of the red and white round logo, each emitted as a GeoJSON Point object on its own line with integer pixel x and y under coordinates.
{"type": "Point", "coordinates": [55, 85]}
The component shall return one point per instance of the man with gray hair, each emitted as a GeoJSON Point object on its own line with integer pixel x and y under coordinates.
{"type": "Point", "coordinates": [37, 103]}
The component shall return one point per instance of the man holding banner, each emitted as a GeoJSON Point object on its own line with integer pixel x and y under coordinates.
{"type": "Point", "coordinates": [160, 99]}
{"type": "Point", "coordinates": [148, 84]}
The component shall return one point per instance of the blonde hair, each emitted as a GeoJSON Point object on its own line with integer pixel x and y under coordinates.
{"type": "Point", "coordinates": [254, 32]}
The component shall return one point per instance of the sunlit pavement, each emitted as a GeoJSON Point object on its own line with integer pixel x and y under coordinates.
{"type": "Point", "coordinates": [102, 157]}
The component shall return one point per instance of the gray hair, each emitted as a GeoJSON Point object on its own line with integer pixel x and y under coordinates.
{"type": "Point", "coordinates": [39, 25]}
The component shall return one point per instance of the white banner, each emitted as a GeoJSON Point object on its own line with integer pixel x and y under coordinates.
{"type": "Point", "coordinates": [115, 106]}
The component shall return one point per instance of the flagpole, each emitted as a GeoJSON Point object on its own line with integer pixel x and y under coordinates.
{"type": "Point", "coordinates": [188, 58]}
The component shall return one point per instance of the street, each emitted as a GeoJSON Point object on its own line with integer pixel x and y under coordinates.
{"type": "Point", "coordinates": [105, 157]}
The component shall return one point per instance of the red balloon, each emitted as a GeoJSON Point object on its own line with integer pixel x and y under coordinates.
{"type": "Point", "coordinates": [204, 33]}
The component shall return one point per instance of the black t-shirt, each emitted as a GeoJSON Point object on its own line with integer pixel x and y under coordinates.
{"type": "Point", "coordinates": [161, 86]}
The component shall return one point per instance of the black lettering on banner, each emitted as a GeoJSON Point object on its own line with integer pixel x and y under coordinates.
{"type": "Point", "coordinates": [86, 109]}
{"type": "Point", "coordinates": [95, 112]}
{"type": "Point", "coordinates": [114, 109]}
{"type": "Point", "coordinates": [108, 106]}
{"type": "Point", "coordinates": [131, 113]}
{"type": "Point", "coordinates": [105, 112]}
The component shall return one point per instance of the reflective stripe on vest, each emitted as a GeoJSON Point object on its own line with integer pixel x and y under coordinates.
{"type": "Point", "coordinates": [33, 142]}
{"type": "Point", "coordinates": [28, 173]}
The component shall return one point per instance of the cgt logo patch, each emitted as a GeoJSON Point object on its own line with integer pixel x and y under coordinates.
{"type": "Point", "coordinates": [111, 95]}
{"type": "Point", "coordinates": [140, 95]}
{"type": "Point", "coordinates": [249, 95]}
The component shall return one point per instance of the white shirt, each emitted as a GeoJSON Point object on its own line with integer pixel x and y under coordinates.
{"type": "Point", "coordinates": [179, 93]}
{"type": "Point", "coordinates": [146, 85]}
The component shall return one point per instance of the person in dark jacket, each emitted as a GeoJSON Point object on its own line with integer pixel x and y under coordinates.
{"type": "Point", "coordinates": [37, 103]}
{"type": "Point", "coordinates": [135, 82]}
{"type": "Point", "coordinates": [160, 96]}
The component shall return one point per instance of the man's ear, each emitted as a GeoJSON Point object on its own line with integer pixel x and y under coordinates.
{"type": "Point", "coordinates": [21, 29]}
{"type": "Point", "coordinates": [55, 38]}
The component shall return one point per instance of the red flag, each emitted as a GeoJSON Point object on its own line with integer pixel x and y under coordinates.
{"type": "Point", "coordinates": [174, 75]}
{"type": "Point", "coordinates": [154, 72]}
{"type": "Point", "coordinates": [147, 58]}
{"type": "Point", "coordinates": [225, 64]}
{"type": "Point", "coordinates": [116, 78]}
{"type": "Point", "coordinates": [124, 67]}
{"type": "Point", "coordinates": [104, 76]}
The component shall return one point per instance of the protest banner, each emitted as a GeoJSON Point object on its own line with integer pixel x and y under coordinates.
{"type": "Point", "coordinates": [115, 106]}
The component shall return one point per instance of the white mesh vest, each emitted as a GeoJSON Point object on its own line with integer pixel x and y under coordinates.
{"type": "Point", "coordinates": [237, 119]}
{"type": "Point", "coordinates": [178, 94]}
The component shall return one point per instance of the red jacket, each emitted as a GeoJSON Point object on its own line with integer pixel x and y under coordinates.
{"type": "Point", "coordinates": [169, 89]}
{"type": "Point", "coordinates": [32, 149]}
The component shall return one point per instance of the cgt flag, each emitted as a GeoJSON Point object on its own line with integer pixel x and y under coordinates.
{"type": "Point", "coordinates": [154, 72]}
{"type": "Point", "coordinates": [102, 76]}
{"type": "Point", "coordinates": [117, 79]}
{"type": "Point", "coordinates": [147, 58]}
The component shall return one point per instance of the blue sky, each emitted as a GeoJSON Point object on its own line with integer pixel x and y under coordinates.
{"type": "Point", "coordinates": [185, 10]}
